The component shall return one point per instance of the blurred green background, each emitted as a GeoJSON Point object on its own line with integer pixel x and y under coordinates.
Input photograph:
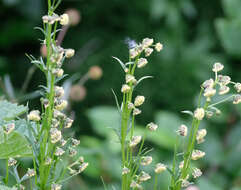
{"type": "Point", "coordinates": [195, 34]}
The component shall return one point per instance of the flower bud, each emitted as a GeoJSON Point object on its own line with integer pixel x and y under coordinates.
{"type": "Point", "coordinates": [139, 100]}
{"type": "Point", "coordinates": [34, 115]}
{"type": "Point", "coordinates": [9, 128]}
{"type": "Point", "coordinates": [152, 126]}
{"type": "Point", "coordinates": [217, 67]}
{"type": "Point", "coordinates": [197, 154]}
{"type": "Point", "coordinates": [158, 47]}
{"type": "Point", "coordinates": [56, 186]}
{"type": "Point", "coordinates": [146, 160]}
{"type": "Point", "coordinates": [69, 53]}
{"type": "Point", "coordinates": [146, 42]}
{"type": "Point", "coordinates": [148, 52]}
{"type": "Point", "coordinates": [144, 177]}
{"type": "Point", "coordinates": [55, 135]}
{"type": "Point", "coordinates": [199, 113]}
{"type": "Point", "coordinates": [125, 171]}
{"type": "Point", "coordinates": [237, 99]}
{"type": "Point", "coordinates": [237, 86]}
{"type": "Point", "coordinates": [125, 88]}
{"type": "Point", "coordinates": [160, 168]}
{"type": "Point", "coordinates": [134, 141]}
{"type": "Point", "coordinates": [64, 19]}
{"type": "Point", "coordinates": [196, 173]}
{"type": "Point", "coordinates": [141, 62]}
{"type": "Point", "coordinates": [182, 131]}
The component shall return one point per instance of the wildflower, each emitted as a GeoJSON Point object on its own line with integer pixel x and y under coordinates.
{"type": "Point", "coordinates": [64, 19]}
{"type": "Point", "coordinates": [68, 123]}
{"type": "Point", "coordinates": [130, 106]}
{"type": "Point", "coordinates": [182, 131]}
{"type": "Point", "coordinates": [34, 115]}
{"type": "Point", "coordinates": [48, 161]}
{"type": "Point", "coordinates": [58, 72]}
{"type": "Point", "coordinates": [83, 166]}
{"type": "Point", "coordinates": [12, 161]}
{"type": "Point", "coordinates": [135, 185]}
{"type": "Point", "coordinates": [133, 53]}
{"type": "Point", "coordinates": [75, 142]}
{"type": "Point", "coordinates": [224, 80]}
{"type": "Point", "coordinates": [217, 67]}
{"type": "Point", "coordinates": [56, 186]}
{"type": "Point", "coordinates": [130, 78]}
{"type": "Point", "coordinates": [95, 72]}
{"type": "Point", "coordinates": [72, 152]}
{"type": "Point", "coordinates": [74, 16]}
{"type": "Point", "coordinates": [144, 177]}
{"type": "Point", "coordinates": [134, 141]}
{"type": "Point", "coordinates": [208, 83]}
{"type": "Point", "coordinates": [223, 90]}
{"type": "Point", "coordinates": [152, 126]}
{"type": "Point", "coordinates": [62, 142]}
{"type": "Point", "coordinates": [9, 128]}
{"type": "Point", "coordinates": [30, 172]}
{"type": "Point", "coordinates": [55, 135]}
{"type": "Point", "coordinates": [158, 47]}
{"type": "Point", "coordinates": [197, 154]}
{"type": "Point", "coordinates": [200, 135]}
{"type": "Point", "coordinates": [209, 92]}
{"type": "Point", "coordinates": [58, 91]}
{"type": "Point", "coordinates": [58, 114]}
{"type": "Point", "coordinates": [237, 99]}
{"type": "Point", "coordinates": [196, 173]}
{"type": "Point", "coordinates": [139, 100]}
{"type": "Point", "coordinates": [136, 111]}
{"type": "Point", "coordinates": [160, 168]}
{"type": "Point", "coordinates": [148, 52]}
{"type": "Point", "coordinates": [125, 171]}
{"type": "Point", "coordinates": [61, 104]}
{"type": "Point", "coordinates": [59, 151]}
{"type": "Point", "coordinates": [69, 53]}
{"type": "Point", "coordinates": [181, 164]}
{"type": "Point", "coordinates": [146, 160]}
{"type": "Point", "coordinates": [237, 86]}
{"type": "Point", "coordinates": [125, 88]}
{"type": "Point", "coordinates": [141, 62]}
{"type": "Point", "coordinates": [146, 42]}
{"type": "Point", "coordinates": [199, 113]}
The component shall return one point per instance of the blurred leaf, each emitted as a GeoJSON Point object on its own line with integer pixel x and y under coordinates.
{"type": "Point", "coordinates": [104, 119]}
{"type": "Point", "coordinates": [10, 111]}
{"type": "Point", "coordinates": [229, 34]}
{"type": "Point", "coordinates": [205, 184]}
{"type": "Point", "coordinates": [14, 145]}
{"type": "Point", "coordinates": [232, 8]}
{"type": "Point", "coordinates": [3, 187]}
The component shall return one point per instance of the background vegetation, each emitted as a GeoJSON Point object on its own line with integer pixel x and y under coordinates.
{"type": "Point", "coordinates": [195, 34]}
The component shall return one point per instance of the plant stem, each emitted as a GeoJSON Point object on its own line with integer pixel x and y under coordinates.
{"type": "Point", "coordinates": [6, 178]}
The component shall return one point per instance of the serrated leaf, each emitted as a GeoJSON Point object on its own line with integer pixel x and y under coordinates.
{"type": "Point", "coordinates": [14, 145]}
{"type": "Point", "coordinates": [9, 111]}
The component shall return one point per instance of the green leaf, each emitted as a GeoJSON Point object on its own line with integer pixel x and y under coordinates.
{"type": "Point", "coordinates": [232, 8]}
{"type": "Point", "coordinates": [3, 187]}
{"type": "Point", "coordinates": [9, 111]}
{"type": "Point", "coordinates": [14, 145]}
{"type": "Point", "coordinates": [229, 34]}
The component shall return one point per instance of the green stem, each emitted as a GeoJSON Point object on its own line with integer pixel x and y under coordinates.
{"type": "Point", "coordinates": [6, 178]}
{"type": "Point", "coordinates": [155, 182]}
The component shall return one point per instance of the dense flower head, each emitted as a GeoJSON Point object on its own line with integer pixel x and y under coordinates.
{"type": "Point", "coordinates": [182, 131]}
{"type": "Point", "coordinates": [135, 140]}
{"type": "Point", "coordinates": [160, 168]}
{"type": "Point", "coordinates": [34, 115]}
{"type": "Point", "coordinates": [139, 100]}
{"type": "Point", "coordinates": [199, 113]}
{"type": "Point", "coordinates": [152, 126]}
{"type": "Point", "coordinates": [146, 160]}
{"type": "Point", "coordinates": [217, 67]}
{"type": "Point", "coordinates": [197, 154]}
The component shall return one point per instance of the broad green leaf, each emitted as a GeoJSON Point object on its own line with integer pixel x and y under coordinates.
{"type": "Point", "coordinates": [14, 145]}
{"type": "Point", "coordinates": [9, 111]}
{"type": "Point", "coordinates": [3, 187]}
{"type": "Point", "coordinates": [104, 119]}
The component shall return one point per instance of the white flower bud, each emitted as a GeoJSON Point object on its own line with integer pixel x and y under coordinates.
{"type": "Point", "coordinates": [139, 100]}
{"type": "Point", "coordinates": [208, 83]}
{"type": "Point", "coordinates": [58, 91]}
{"type": "Point", "coordinates": [196, 173]}
{"type": "Point", "coordinates": [197, 154]}
{"type": "Point", "coordinates": [34, 115]}
{"type": "Point", "coordinates": [144, 177]}
{"type": "Point", "coordinates": [182, 131]}
{"type": "Point", "coordinates": [146, 160]}
{"type": "Point", "coordinates": [83, 166]}
{"type": "Point", "coordinates": [181, 165]}
{"type": "Point", "coordinates": [59, 151]}
{"type": "Point", "coordinates": [136, 111]}
{"type": "Point", "coordinates": [158, 47]}
{"type": "Point", "coordinates": [64, 19]}
{"type": "Point", "coordinates": [125, 171]}
{"type": "Point", "coordinates": [133, 53]}
{"type": "Point", "coordinates": [12, 162]}
{"type": "Point", "coordinates": [209, 92]}
{"type": "Point", "coordinates": [30, 172]}
{"type": "Point", "coordinates": [72, 152]}
{"type": "Point", "coordinates": [55, 135]}
{"type": "Point", "coordinates": [160, 168]}
{"type": "Point", "coordinates": [224, 80]}
{"type": "Point", "coordinates": [134, 141]}
{"type": "Point", "coordinates": [237, 99]}
{"type": "Point", "coordinates": [199, 113]}
{"type": "Point", "coordinates": [141, 62]}
{"type": "Point", "coordinates": [217, 67]}
{"type": "Point", "coordinates": [125, 88]}
{"type": "Point", "coordinates": [148, 52]}
{"type": "Point", "coordinates": [61, 104]}
{"type": "Point", "coordinates": [152, 126]}
{"type": "Point", "coordinates": [69, 53]}
{"type": "Point", "coordinates": [58, 72]}
{"type": "Point", "coordinates": [68, 123]}
{"type": "Point", "coordinates": [146, 42]}
{"type": "Point", "coordinates": [135, 185]}
{"type": "Point", "coordinates": [200, 135]}
{"type": "Point", "coordinates": [56, 186]}
{"type": "Point", "coordinates": [237, 86]}
{"type": "Point", "coordinates": [223, 90]}
{"type": "Point", "coordinates": [75, 142]}
{"type": "Point", "coordinates": [130, 78]}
